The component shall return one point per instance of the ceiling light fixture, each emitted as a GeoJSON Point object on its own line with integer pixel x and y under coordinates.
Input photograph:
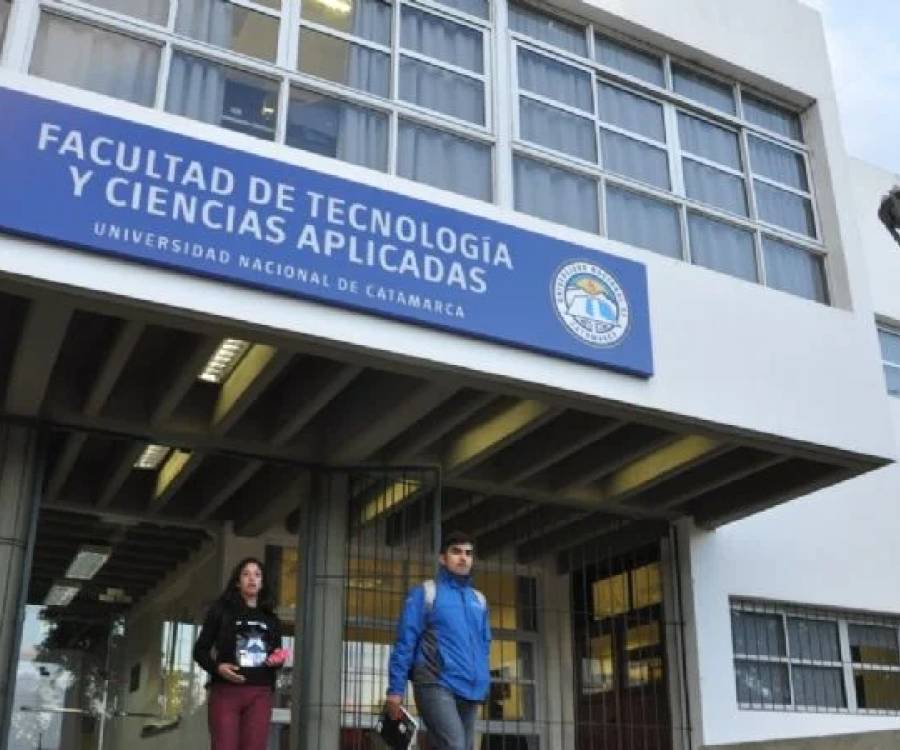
{"type": "Point", "coordinates": [224, 360]}
{"type": "Point", "coordinates": [87, 561]}
{"type": "Point", "coordinates": [61, 593]}
{"type": "Point", "coordinates": [344, 7]}
{"type": "Point", "coordinates": [152, 457]}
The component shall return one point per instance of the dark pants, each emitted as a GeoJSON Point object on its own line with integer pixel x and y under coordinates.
{"type": "Point", "coordinates": [450, 721]}
{"type": "Point", "coordinates": [239, 716]}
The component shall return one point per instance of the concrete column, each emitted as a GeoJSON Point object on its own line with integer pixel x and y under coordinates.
{"type": "Point", "coordinates": [20, 480]}
{"type": "Point", "coordinates": [557, 667]}
{"type": "Point", "coordinates": [316, 723]}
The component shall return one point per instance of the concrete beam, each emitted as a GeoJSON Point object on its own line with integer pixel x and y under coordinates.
{"type": "Point", "coordinates": [482, 441]}
{"type": "Point", "coordinates": [127, 337]}
{"type": "Point", "coordinates": [253, 374]}
{"type": "Point", "coordinates": [255, 521]}
{"type": "Point", "coordinates": [42, 338]}
{"type": "Point", "coordinates": [366, 430]}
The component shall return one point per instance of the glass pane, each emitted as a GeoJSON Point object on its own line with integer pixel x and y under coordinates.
{"type": "Point", "coordinates": [444, 160]}
{"type": "Point", "coordinates": [527, 603]}
{"type": "Point", "coordinates": [784, 209]}
{"type": "Point", "coordinates": [877, 690]}
{"type": "Point", "coordinates": [890, 346]}
{"type": "Point", "coordinates": [626, 156]}
{"type": "Point", "coordinates": [892, 380]}
{"type": "Point", "coordinates": [642, 221]}
{"type": "Point", "coordinates": [556, 194]}
{"type": "Point", "coordinates": [771, 116]}
{"type": "Point", "coordinates": [90, 58]}
{"type": "Point", "coordinates": [478, 8]}
{"type": "Point", "coordinates": [709, 141]}
{"type": "Point", "coordinates": [819, 686]}
{"type": "Point", "coordinates": [343, 62]}
{"type": "Point", "coordinates": [333, 127]}
{"type": "Point", "coordinates": [756, 633]}
{"type": "Point", "coordinates": [501, 591]}
{"type": "Point", "coordinates": [441, 90]}
{"type": "Point", "coordinates": [723, 247]}
{"type": "Point", "coordinates": [229, 26]}
{"type": "Point", "coordinates": [814, 640]}
{"type": "Point", "coordinates": [561, 131]}
{"type": "Point", "coordinates": [795, 270]}
{"type": "Point", "coordinates": [780, 164]}
{"type": "Point", "coordinates": [548, 29]}
{"type": "Point", "coordinates": [873, 644]}
{"type": "Point", "coordinates": [555, 80]}
{"type": "Point", "coordinates": [646, 586]}
{"type": "Point", "coordinates": [715, 187]}
{"type": "Point", "coordinates": [703, 89]}
{"type": "Point", "coordinates": [442, 39]}
{"type": "Point", "coordinates": [628, 60]}
{"type": "Point", "coordinates": [154, 11]}
{"type": "Point", "coordinates": [510, 664]}
{"type": "Point", "coordinates": [231, 98]}
{"type": "Point", "coordinates": [610, 596]}
{"type": "Point", "coordinates": [631, 112]}
{"type": "Point", "coordinates": [760, 683]}
{"type": "Point", "coordinates": [367, 19]}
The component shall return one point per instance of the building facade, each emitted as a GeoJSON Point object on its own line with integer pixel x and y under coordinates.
{"type": "Point", "coordinates": [316, 281]}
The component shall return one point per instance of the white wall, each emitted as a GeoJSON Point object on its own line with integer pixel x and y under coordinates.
{"type": "Point", "coordinates": [834, 548]}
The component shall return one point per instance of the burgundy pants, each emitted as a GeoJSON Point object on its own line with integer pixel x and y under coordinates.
{"type": "Point", "coordinates": [239, 716]}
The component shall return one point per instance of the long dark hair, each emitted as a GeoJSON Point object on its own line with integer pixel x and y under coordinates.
{"type": "Point", "coordinates": [231, 596]}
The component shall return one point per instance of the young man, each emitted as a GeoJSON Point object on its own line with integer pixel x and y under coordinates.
{"type": "Point", "coordinates": [443, 646]}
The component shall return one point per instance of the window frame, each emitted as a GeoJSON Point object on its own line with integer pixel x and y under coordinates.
{"type": "Point", "coordinates": [502, 127]}
{"type": "Point", "coordinates": [842, 620]}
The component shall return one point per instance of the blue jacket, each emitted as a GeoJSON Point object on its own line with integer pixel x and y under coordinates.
{"type": "Point", "coordinates": [448, 645]}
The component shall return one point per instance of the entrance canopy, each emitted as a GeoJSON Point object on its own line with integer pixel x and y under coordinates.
{"type": "Point", "coordinates": [173, 421]}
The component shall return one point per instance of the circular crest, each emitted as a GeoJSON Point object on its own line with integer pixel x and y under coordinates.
{"type": "Point", "coordinates": [591, 303]}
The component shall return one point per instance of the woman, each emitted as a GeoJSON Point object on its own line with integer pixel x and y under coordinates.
{"type": "Point", "coordinates": [240, 647]}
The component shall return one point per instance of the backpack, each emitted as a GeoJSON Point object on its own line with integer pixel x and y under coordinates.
{"type": "Point", "coordinates": [430, 588]}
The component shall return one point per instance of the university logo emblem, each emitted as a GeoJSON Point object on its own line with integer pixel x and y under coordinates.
{"type": "Point", "coordinates": [590, 303]}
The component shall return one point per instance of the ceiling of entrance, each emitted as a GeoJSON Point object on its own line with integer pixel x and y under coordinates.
{"type": "Point", "coordinates": [544, 471]}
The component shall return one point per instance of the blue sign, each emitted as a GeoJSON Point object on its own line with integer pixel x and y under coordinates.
{"type": "Point", "coordinates": [104, 184]}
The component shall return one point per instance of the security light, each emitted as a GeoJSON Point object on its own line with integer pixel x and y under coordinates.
{"type": "Point", "coordinates": [224, 360]}
{"type": "Point", "coordinates": [88, 560]}
{"type": "Point", "coordinates": [152, 457]}
{"type": "Point", "coordinates": [61, 593]}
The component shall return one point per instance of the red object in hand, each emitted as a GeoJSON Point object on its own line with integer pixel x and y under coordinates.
{"type": "Point", "coordinates": [278, 657]}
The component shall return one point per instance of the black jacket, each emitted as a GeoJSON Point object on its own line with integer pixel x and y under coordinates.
{"type": "Point", "coordinates": [240, 635]}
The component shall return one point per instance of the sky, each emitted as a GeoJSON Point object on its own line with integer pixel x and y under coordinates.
{"type": "Point", "coordinates": [864, 43]}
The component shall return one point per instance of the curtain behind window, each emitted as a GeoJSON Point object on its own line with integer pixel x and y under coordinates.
{"type": "Point", "coordinates": [97, 60]}
{"type": "Point", "coordinates": [556, 195]}
{"type": "Point", "coordinates": [443, 160]}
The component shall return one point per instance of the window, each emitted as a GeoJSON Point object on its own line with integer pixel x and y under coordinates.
{"type": "Point", "coordinates": [438, 158]}
{"type": "Point", "coordinates": [230, 26]}
{"type": "Point", "coordinates": [797, 658]}
{"type": "Point", "coordinates": [222, 95]}
{"type": "Point", "coordinates": [639, 146]}
{"type": "Point", "coordinates": [96, 59]}
{"type": "Point", "coordinates": [545, 28]}
{"type": "Point", "coordinates": [378, 83]}
{"type": "Point", "coordinates": [629, 60]}
{"type": "Point", "coordinates": [556, 194]}
{"type": "Point", "coordinates": [333, 127]}
{"type": "Point", "coordinates": [794, 269]}
{"type": "Point", "coordinates": [890, 358]}
{"type": "Point", "coordinates": [689, 165]}
{"type": "Point", "coordinates": [182, 680]}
